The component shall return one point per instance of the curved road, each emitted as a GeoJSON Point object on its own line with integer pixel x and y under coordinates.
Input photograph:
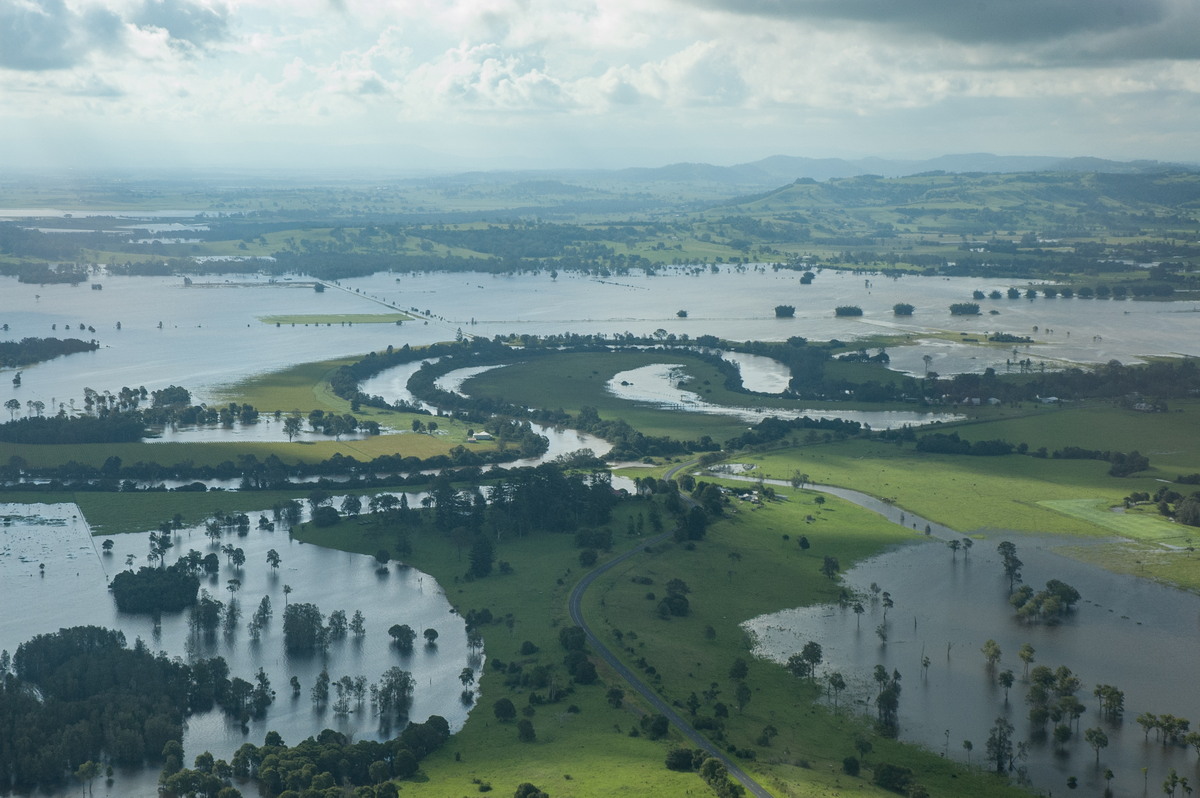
{"type": "Point", "coordinates": [653, 698]}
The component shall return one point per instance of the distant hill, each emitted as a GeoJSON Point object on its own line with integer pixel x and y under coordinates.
{"type": "Point", "coordinates": [786, 168]}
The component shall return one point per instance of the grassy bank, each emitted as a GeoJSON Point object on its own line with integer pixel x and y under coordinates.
{"type": "Point", "coordinates": [117, 513]}
{"type": "Point", "coordinates": [593, 746]}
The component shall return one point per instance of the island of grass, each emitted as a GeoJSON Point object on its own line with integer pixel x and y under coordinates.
{"type": "Point", "coordinates": [331, 319]}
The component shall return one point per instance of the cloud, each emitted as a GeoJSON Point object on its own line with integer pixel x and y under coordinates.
{"type": "Point", "coordinates": [968, 21]}
{"type": "Point", "coordinates": [487, 77]}
{"type": "Point", "coordinates": [37, 35]}
{"type": "Point", "coordinates": [191, 25]}
{"type": "Point", "coordinates": [94, 86]}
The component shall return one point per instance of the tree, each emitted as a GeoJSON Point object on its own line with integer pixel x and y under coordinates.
{"type": "Point", "coordinates": [1097, 739]}
{"type": "Point", "coordinates": [481, 557]}
{"type": "Point", "coordinates": [525, 731]}
{"type": "Point", "coordinates": [1026, 653]}
{"type": "Point", "coordinates": [1012, 563]}
{"type": "Point", "coordinates": [811, 653]}
{"type": "Point", "coordinates": [304, 628]}
{"type": "Point", "coordinates": [292, 426]}
{"type": "Point", "coordinates": [991, 653]}
{"type": "Point", "coordinates": [431, 636]}
{"type": "Point", "coordinates": [403, 636]}
{"type": "Point", "coordinates": [352, 505]}
{"type": "Point", "coordinates": [785, 311]}
{"type": "Point", "coordinates": [830, 566]}
{"type": "Point", "coordinates": [837, 684]}
{"type": "Point", "coordinates": [1000, 744]}
{"type": "Point", "coordinates": [741, 695]}
{"type": "Point", "coordinates": [1005, 680]}
{"type": "Point", "coordinates": [12, 405]}
{"type": "Point", "coordinates": [504, 710]}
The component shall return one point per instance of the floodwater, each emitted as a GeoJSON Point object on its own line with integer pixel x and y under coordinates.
{"type": "Point", "coordinates": [760, 374]}
{"type": "Point", "coordinates": [266, 429]}
{"type": "Point", "coordinates": [73, 591]}
{"type": "Point", "coordinates": [211, 334]}
{"type": "Point", "coordinates": [1136, 635]}
{"type": "Point", "coordinates": [663, 385]}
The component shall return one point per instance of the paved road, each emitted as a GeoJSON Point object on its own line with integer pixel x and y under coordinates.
{"type": "Point", "coordinates": [652, 697]}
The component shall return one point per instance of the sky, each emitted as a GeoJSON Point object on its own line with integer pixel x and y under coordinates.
{"type": "Point", "coordinates": [495, 84]}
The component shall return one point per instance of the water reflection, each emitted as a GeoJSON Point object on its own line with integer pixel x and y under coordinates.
{"type": "Point", "coordinates": [72, 590]}
{"type": "Point", "coordinates": [1138, 636]}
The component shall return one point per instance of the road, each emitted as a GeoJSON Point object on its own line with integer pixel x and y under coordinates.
{"type": "Point", "coordinates": [653, 698]}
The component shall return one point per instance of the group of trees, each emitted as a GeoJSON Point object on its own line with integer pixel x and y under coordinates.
{"type": "Point", "coordinates": [327, 761]}
{"type": "Point", "coordinates": [1049, 605]}
{"type": "Point", "coordinates": [155, 590]}
{"type": "Point", "coordinates": [28, 351]}
{"type": "Point", "coordinates": [81, 695]}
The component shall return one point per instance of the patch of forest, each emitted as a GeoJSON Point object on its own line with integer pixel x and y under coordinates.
{"type": "Point", "coordinates": [35, 350]}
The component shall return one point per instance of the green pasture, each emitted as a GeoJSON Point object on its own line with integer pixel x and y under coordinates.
{"type": "Point", "coordinates": [306, 387]}
{"type": "Point", "coordinates": [577, 379]}
{"type": "Point", "coordinates": [591, 753]}
{"type": "Point", "coordinates": [1128, 524]}
{"type": "Point", "coordinates": [119, 513]}
{"type": "Point", "coordinates": [302, 387]}
{"type": "Point", "coordinates": [1168, 439]}
{"type": "Point", "coordinates": [964, 493]}
{"type": "Point", "coordinates": [758, 546]}
{"type": "Point", "coordinates": [405, 443]}
{"type": "Point", "coordinates": [574, 380]}
{"type": "Point", "coordinates": [337, 318]}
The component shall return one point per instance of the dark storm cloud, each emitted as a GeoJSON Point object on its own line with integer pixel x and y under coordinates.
{"type": "Point", "coordinates": [186, 22]}
{"type": "Point", "coordinates": [38, 35]}
{"type": "Point", "coordinates": [1127, 28]}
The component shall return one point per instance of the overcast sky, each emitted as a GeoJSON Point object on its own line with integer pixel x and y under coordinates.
{"type": "Point", "coordinates": [402, 84]}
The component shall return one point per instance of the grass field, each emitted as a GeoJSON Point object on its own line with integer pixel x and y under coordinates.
{"type": "Point", "coordinates": [575, 380]}
{"type": "Point", "coordinates": [593, 747]}
{"type": "Point", "coordinates": [119, 513]}
{"type": "Point", "coordinates": [1133, 525]}
{"type": "Point", "coordinates": [303, 387]}
{"type": "Point", "coordinates": [966, 493]}
{"type": "Point", "coordinates": [588, 753]}
{"type": "Point", "coordinates": [336, 318]}
{"type": "Point", "coordinates": [1168, 439]}
{"type": "Point", "coordinates": [449, 435]}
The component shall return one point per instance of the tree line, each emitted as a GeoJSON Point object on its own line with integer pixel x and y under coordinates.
{"type": "Point", "coordinates": [36, 350]}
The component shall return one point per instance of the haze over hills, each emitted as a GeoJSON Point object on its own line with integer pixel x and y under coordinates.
{"type": "Point", "coordinates": [786, 168]}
